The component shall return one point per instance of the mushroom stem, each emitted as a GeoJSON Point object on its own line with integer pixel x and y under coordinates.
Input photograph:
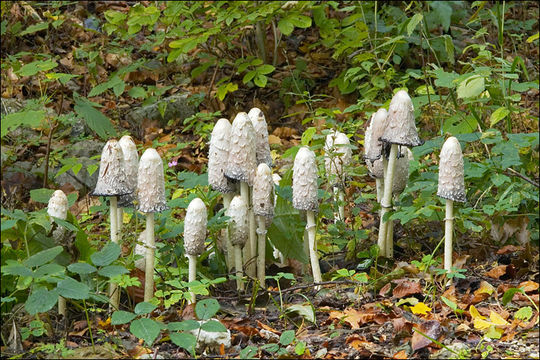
{"type": "Point", "coordinates": [114, 292]}
{"type": "Point", "coordinates": [311, 230]}
{"type": "Point", "coordinates": [386, 202]}
{"type": "Point", "coordinates": [120, 222]}
{"type": "Point", "coordinates": [390, 240]}
{"type": "Point", "coordinates": [261, 246]}
{"type": "Point", "coordinates": [250, 249]}
{"type": "Point", "coordinates": [379, 183]}
{"type": "Point", "coordinates": [61, 306]}
{"type": "Point", "coordinates": [238, 266]}
{"type": "Point", "coordinates": [339, 198]}
{"type": "Point", "coordinates": [227, 197]}
{"type": "Point", "coordinates": [150, 248]}
{"type": "Point", "coordinates": [305, 267]}
{"type": "Point", "coordinates": [448, 234]}
{"type": "Point", "coordinates": [192, 275]}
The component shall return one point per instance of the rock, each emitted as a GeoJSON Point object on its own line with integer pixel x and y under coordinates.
{"type": "Point", "coordinates": [211, 341]}
{"type": "Point", "coordinates": [80, 181]}
{"type": "Point", "coordinates": [177, 107]}
{"type": "Point", "coordinates": [86, 148]}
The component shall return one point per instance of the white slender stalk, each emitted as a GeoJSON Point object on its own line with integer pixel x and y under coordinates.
{"type": "Point", "coordinates": [230, 251]}
{"type": "Point", "coordinates": [250, 249]}
{"type": "Point", "coordinates": [120, 222]}
{"type": "Point", "coordinates": [311, 230]}
{"type": "Point", "coordinates": [386, 202]}
{"type": "Point", "coordinates": [390, 240]}
{"type": "Point", "coordinates": [341, 198]}
{"type": "Point", "coordinates": [238, 266]}
{"type": "Point", "coordinates": [305, 267]}
{"type": "Point", "coordinates": [150, 248]}
{"type": "Point", "coordinates": [338, 199]}
{"type": "Point", "coordinates": [114, 291]}
{"type": "Point", "coordinates": [448, 234]}
{"type": "Point", "coordinates": [380, 189]}
{"type": "Point", "coordinates": [62, 306]}
{"type": "Point", "coordinates": [192, 274]}
{"type": "Point", "coordinates": [261, 246]}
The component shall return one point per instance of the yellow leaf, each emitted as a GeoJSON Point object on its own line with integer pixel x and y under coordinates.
{"type": "Point", "coordinates": [475, 314]}
{"type": "Point", "coordinates": [126, 217]}
{"type": "Point", "coordinates": [177, 193]}
{"type": "Point", "coordinates": [420, 308]}
{"type": "Point", "coordinates": [481, 324]}
{"type": "Point", "coordinates": [497, 319]}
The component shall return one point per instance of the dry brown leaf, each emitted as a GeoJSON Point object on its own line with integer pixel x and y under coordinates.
{"type": "Point", "coordinates": [406, 288]}
{"type": "Point", "coordinates": [528, 286]}
{"type": "Point", "coordinates": [483, 292]}
{"type": "Point", "coordinates": [509, 249]}
{"type": "Point", "coordinates": [402, 354]}
{"type": "Point", "coordinates": [274, 140]}
{"type": "Point", "coordinates": [356, 318]}
{"type": "Point", "coordinates": [266, 327]}
{"type": "Point", "coordinates": [497, 271]}
{"type": "Point", "coordinates": [431, 328]}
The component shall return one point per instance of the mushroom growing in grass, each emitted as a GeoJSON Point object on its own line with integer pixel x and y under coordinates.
{"type": "Point", "coordinates": [338, 154]}
{"type": "Point", "coordinates": [241, 166]}
{"type": "Point", "coordinates": [112, 182]}
{"type": "Point", "coordinates": [131, 166]}
{"type": "Point", "coordinates": [58, 207]}
{"type": "Point", "coordinates": [263, 207]}
{"type": "Point", "coordinates": [217, 163]}
{"type": "Point", "coordinates": [151, 197]}
{"type": "Point", "coordinates": [261, 136]}
{"type": "Point", "coordinates": [452, 188]}
{"type": "Point", "coordinates": [373, 148]}
{"type": "Point", "coordinates": [276, 253]}
{"type": "Point", "coordinates": [304, 186]}
{"type": "Point", "coordinates": [400, 130]}
{"type": "Point", "coordinates": [194, 236]}
{"type": "Point", "coordinates": [239, 232]}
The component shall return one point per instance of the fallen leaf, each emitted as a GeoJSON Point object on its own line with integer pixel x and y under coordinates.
{"type": "Point", "coordinates": [431, 328]}
{"type": "Point", "coordinates": [497, 271]}
{"type": "Point", "coordinates": [420, 308]}
{"type": "Point", "coordinates": [266, 327]}
{"type": "Point", "coordinates": [406, 288]}
{"type": "Point", "coordinates": [274, 140]}
{"type": "Point", "coordinates": [509, 249]}
{"type": "Point", "coordinates": [483, 292]}
{"type": "Point", "coordinates": [528, 286]}
{"type": "Point", "coordinates": [402, 354]}
{"type": "Point", "coordinates": [356, 318]}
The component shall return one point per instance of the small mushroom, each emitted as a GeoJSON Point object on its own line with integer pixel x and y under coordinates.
{"type": "Point", "coordinates": [263, 208]}
{"type": "Point", "coordinates": [304, 186]}
{"type": "Point", "coordinates": [261, 136]}
{"type": "Point", "coordinates": [373, 148]}
{"type": "Point", "coordinates": [194, 236]}
{"type": "Point", "coordinates": [337, 155]}
{"type": "Point", "coordinates": [131, 166]}
{"type": "Point", "coordinates": [452, 188]}
{"type": "Point", "coordinates": [151, 197]}
{"type": "Point", "coordinates": [239, 233]}
{"type": "Point", "coordinates": [58, 207]}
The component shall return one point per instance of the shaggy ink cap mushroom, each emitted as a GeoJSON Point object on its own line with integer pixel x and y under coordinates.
{"type": "Point", "coordinates": [242, 161]}
{"type": "Point", "coordinates": [112, 177]}
{"type": "Point", "coordinates": [401, 172]}
{"type": "Point", "coordinates": [218, 155]}
{"type": "Point", "coordinates": [195, 227]}
{"type": "Point", "coordinates": [151, 183]}
{"type": "Point", "coordinates": [238, 214]}
{"type": "Point", "coordinates": [337, 142]}
{"type": "Point", "coordinates": [304, 184]}
{"type": "Point", "coordinates": [263, 192]}
{"type": "Point", "coordinates": [262, 146]}
{"type": "Point", "coordinates": [131, 167]}
{"type": "Point", "coordinates": [451, 173]}
{"type": "Point", "coordinates": [58, 205]}
{"type": "Point", "coordinates": [400, 128]}
{"type": "Point", "coordinates": [372, 145]}
{"type": "Point", "coordinates": [140, 249]}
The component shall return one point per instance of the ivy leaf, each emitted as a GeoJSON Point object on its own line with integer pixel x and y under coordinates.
{"type": "Point", "coordinates": [107, 255]}
{"type": "Point", "coordinates": [144, 308]}
{"type": "Point", "coordinates": [43, 257]}
{"type": "Point", "coordinates": [122, 317]}
{"type": "Point", "coordinates": [206, 308]}
{"type": "Point", "coordinates": [72, 289]}
{"type": "Point", "coordinates": [81, 268]}
{"type": "Point", "coordinates": [40, 301]}
{"type": "Point", "coordinates": [146, 329]}
{"type": "Point", "coordinates": [184, 340]}
{"type": "Point", "coordinates": [93, 117]}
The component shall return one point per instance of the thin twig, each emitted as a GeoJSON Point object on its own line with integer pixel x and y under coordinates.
{"type": "Point", "coordinates": [520, 175]}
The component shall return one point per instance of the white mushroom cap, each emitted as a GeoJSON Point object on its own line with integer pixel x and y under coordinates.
{"type": "Point", "coordinates": [112, 179]}
{"type": "Point", "coordinates": [451, 173]}
{"type": "Point", "coordinates": [151, 183]}
{"type": "Point", "coordinates": [218, 155]}
{"type": "Point", "coordinates": [58, 205]}
{"type": "Point", "coordinates": [337, 153]}
{"type": "Point", "coordinates": [261, 136]}
{"type": "Point", "coordinates": [263, 192]}
{"type": "Point", "coordinates": [304, 184]}
{"type": "Point", "coordinates": [376, 169]}
{"type": "Point", "coordinates": [401, 129]}
{"type": "Point", "coordinates": [276, 178]}
{"type": "Point", "coordinates": [195, 227]}
{"type": "Point", "coordinates": [238, 214]}
{"type": "Point", "coordinates": [401, 172]}
{"type": "Point", "coordinates": [131, 167]}
{"type": "Point", "coordinates": [140, 249]}
{"type": "Point", "coordinates": [372, 144]}
{"type": "Point", "coordinates": [242, 160]}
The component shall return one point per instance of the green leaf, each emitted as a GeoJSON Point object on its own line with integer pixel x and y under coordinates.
{"type": "Point", "coordinates": [112, 271]}
{"type": "Point", "coordinates": [248, 352]}
{"type": "Point", "coordinates": [94, 118]}
{"type": "Point", "coordinates": [34, 28]}
{"type": "Point", "coordinates": [498, 115]}
{"type": "Point", "coordinates": [146, 329]}
{"type": "Point", "coordinates": [301, 21]}
{"type": "Point", "coordinates": [260, 80]}
{"type": "Point", "coordinates": [122, 317]}
{"type": "Point", "coordinates": [81, 268]}
{"type": "Point", "coordinates": [36, 66]}
{"type": "Point", "coordinates": [307, 135]}
{"type": "Point", "coordinates": [185, 325]}
{"type": "Point", "coordinates": [415, 20]}
{"type": "Point", "coordinates": [249, 75]}
{"type": "Point", "coordinates": [72, 289]}
{"type": "Point", "coordinates": [137, 92]}
{"type": "Point", "coordinates": [107, 255]}
{"type": "Point", "coordinates": [213, 326]}
{"type": "Point", "coordinates": [452, 305]}
{"type": "Point", "coordinates": [185, 341]}
{"type": "Point", "coordinates": [40, 301]}
{"type": "Point", "coordinates": [509, 295]}
{"type": "Point", "coordinates": [470, 87]}
{"type": "Point", "coordinates": [65, 224]}
{"type": "Point", "coordinates": [285, 26]}
{"type": "Point", "coordinates": [300, 348]}
{"type": "Point", "coordinates": [144, 308]}
{"type": "Point", "coordinates": [525, 313]}
{"type": "Point", "coordinates": [286, 337]}
{"type": "Point", "coordinates": [43, 257]}
{"type": "Point", "coordinates": [48, 269]}
{"type": "Point", "coordinates": [265, 69]}
{"type": "Point", "coordinates": [531, 38]}
{"type": "Point", "coordinates": [30, 118]}
{"type": "Point", "coordinates": [206, 308]}
{"type": "Point", "coordinates": [17, 270]}
{"type": "Point", "coordinates": [304, 310]}
{"type": "Point", "coordinates": [7, 224]}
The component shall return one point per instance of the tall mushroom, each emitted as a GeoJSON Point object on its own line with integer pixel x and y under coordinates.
{"type": "Point", "coordinates": [261, 136]}
{"type": "Point", "coordinates": [263, 207]}
{"type": "Point", "coordinates": [194, 236]}
{"type": "Point", "coordinates": [112, 182]}
{"type": "Point", "coordinates": [337, 155]}
{"type": "Point", "coordinates": [304, 186]}
{"type": "Point", "coordinates": [239, 232]}
{"type": "Point", "coordinates": [58, 207]}
{"type": "Point", "coordinates": [131, 165]}
{"type": "Point", "coordinates": [217, 163]}
{"type": "Point", "coordinates": [276, 253]}
{"type": "Point", "coordinates": [151, 197]}
{"type": "Point", "coordinates": [452, 188]}
{"type": "Point", "coordinates": [373, 148]}
{"type": "Point", "coordinates": [400, 130]}
{"type": "Point", "coordinates": [241, 166]}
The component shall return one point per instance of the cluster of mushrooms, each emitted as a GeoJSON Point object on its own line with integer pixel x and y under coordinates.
{"type": "Point", "coordinates": [240, 167]}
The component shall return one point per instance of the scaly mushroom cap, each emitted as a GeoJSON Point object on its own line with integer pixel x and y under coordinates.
{"type": "Point", "coordinates": [376, 169]}
{"type": "Point", "coordinates": [451, 173]}
{"type": "Point", "coordinates": [151, 183]}
{"type": "Point", "coordinates": [263, 192]}
{"type": "Point", "coordinates": [131, 166]}
{"type": "Point", "coordinates": [242, 160]}
{"type": "Point", "coordinates": [337, 153]}
{"type": "Point", "coordinates": [195, 227]}
{"type": "Point", "coordinates": [112, 180]}
{"type": "Point", "coordinates": [401, 129]}
{"type": "Point", "coordinates": [218, 155]}
{"type": "Point", "coordinates": [261, 136]}
{"type": "Point", "coordinates": [304, 184]}
{"type": "Point", "coordinates": [140, 249]}
{"type": "Point", "coordinates": [58, 205]}
{"type": "Point", "coordinates": [372, 144]}
{"type": "Point", "coordinates": [401, 172]}
{"type": "Point", "coordinates": [238, 214]}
